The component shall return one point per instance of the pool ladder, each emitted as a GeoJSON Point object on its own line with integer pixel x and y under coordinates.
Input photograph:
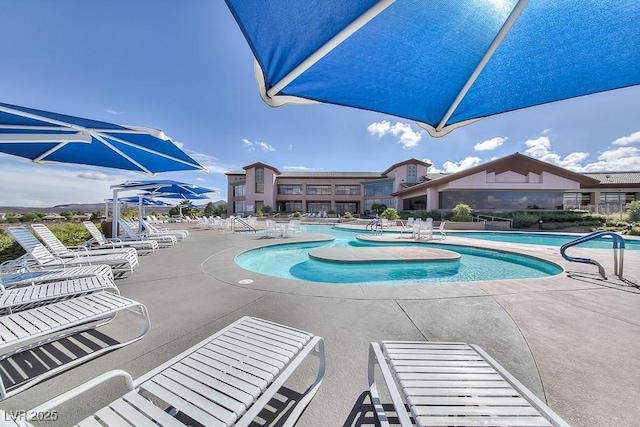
{"type": "Point", "coordinates": [618, 252]}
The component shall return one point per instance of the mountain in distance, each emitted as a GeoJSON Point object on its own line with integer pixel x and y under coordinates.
{"type": "Point", "coordinates": [84, 208]}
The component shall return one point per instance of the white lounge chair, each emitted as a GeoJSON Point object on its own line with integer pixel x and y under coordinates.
{"type": "Point", "coordinates": [120, 264]}
{"type": "Point", "coordinates": [40, 325]}
{"type": "Point", "coordinates": [18, 298]}
{"type": "Point", "coordinates": [58, 248]}
{"type": "Point", "coordinates": [163, 241]}
{"type": "Point", "coordinates": [21, 276]}
{"type": "Point", "coordinates": [273, 229]}
{"type": "Point", "coordinates": [442, 232]}
{"type": "Point", "coordinates": [142, 246]}
{"type": "Point", "coordinates": [451, 384]}
{"type": "Point", "coordinates": [226, 380]}
{"type": "Point", "coordinates": [152, 231]}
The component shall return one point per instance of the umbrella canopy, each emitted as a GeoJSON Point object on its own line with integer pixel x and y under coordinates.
{"type": "Point", "coordinates": [45, 137]}
{"type": "Point", "coordinates": [441, 63]}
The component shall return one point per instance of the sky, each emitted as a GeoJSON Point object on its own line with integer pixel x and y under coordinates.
{"type": "Point", "coordinates": [185, 68]}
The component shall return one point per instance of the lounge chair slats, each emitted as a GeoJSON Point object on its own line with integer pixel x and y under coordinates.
{"type": "Point", "coordinates": [23, 298]}
{"type": "Point", "coordinates": [30, 328]}
{"type": "Point", "coordinates": [213, 382]}
{"type": "Point", "coordinates": [445, 384]}
{"type": "Point", "coordinates": [141, 246]}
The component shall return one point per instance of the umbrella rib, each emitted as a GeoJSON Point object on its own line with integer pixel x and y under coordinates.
{"type": "Point", "coordinates": [336, 40]}
{"type": "Point", "coordinates": [513, 17]}
{"type": "Point", "coordinates": [148, 150]}
{"type": "Point", "coordinates": [108, 145]}
{"type": "Point", "coordinates": [49, 152]}
{"type": "Point", "coordinates": [35, 138]}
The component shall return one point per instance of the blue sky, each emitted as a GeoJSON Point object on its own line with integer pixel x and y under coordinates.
{"type": "Point", "coordinates": [185, 68]}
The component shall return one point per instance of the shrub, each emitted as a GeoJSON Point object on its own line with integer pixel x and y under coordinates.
{"type": "Point", "coordinates": [390, 213]}
{"type": "Point", "coordinates": [635, 230]}
{"type": "Point", "coordinates": [9, 248]}
{"type": "Point", "coordinates": [297, 214]}
{"type": "Point", "coordinates": [71, 234]}
{"type": "Point", "coordinates": [634, 211]}
{"type": "Point", "coordinates": [461, 213]}
{"type": "Point", "coordinates": [347, 215]}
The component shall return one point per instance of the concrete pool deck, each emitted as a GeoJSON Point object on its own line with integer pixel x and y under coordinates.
{"type": "Point", "coordinates": [572, 339]}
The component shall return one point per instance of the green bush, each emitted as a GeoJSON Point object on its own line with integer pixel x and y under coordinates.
{"type": "Point", "coordinates": [71, 234]}
{"type": "Point", "coordinates": [297, 214]}
{"type": "Point", "coordinates": [634, 211]}
{"type": "Point", "coordinates": [347, 215]}
{"type": "Point", "coordinates": [390, 213]}
{"type": "Point", "coordinates": [635, 230]}
{"type": "Point", "coordinates": [461, 213]}
{"type": "Point", "coordinates": [9, 248]}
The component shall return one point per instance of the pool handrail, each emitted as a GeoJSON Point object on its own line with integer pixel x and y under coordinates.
{"type": "Point", "coordinates": [618, 247]}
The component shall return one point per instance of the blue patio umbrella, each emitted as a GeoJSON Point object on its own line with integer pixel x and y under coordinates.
{"type": "Point", "coordinates": [441, 63]}
{"type": "Point", "coordinates": [46, 137]}
{"type": "Point", "coordinates": [156, 188]}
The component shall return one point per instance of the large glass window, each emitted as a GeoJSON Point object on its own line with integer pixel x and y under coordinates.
{"type": "Point", "coordinates": [412, 174]}
{"type": "Point", "coordinates": [319, 189]}
{"type": "Point", "coordinates": [289, 189]}
{"type": "Point", "coordinates": [378, 188]}
{"type": "Point", "coordinates": [259, 180]}
{"type": "Point", "coordinates": [318, 206]}
{"type": "Point", "coordinates": [502, 200]}
{"type": "Point", "coordinates": [617, 198]}
{"type": "Point", "coordinates": [368, 203]}
{"type": "Point", "coordinates": [572, 200]}
{"type": "Point", "coordinates": [239, 190]}
{"type": "Point", "coordinates": [290, 206]}
{"type": "Point", "coordinates": [238, 207]}
{"type": "Point", "coordinates": [347, 190]}
{"type": "Point", "coordinates": [342, 207]}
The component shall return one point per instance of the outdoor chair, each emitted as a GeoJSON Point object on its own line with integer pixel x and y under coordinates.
{"type": "Point", "coordinates": [273, 229]}
{"type": "Point", "coordinates": [18, 298]}
{"type": "Point", "coordinates": [143, 247]}
{"type": "Point", "coordinates": [442, 232]}
{"type": "Point", "coordinates": [20, 275]}
{"type": "Point", "coordinates": [163, 241]}
{"type": "Point", "coordinates": [152, 230]}
{"type": "Point", "coordinates": [121, 264]}
{"type": "Point", "coordinates": [451, 384]}
{"type": "Point", "coordinates": [37, 326]}
{"type": "Point", "coordinates": [225, 380]}
{"type": "Point", "coordinates": [58, 248]}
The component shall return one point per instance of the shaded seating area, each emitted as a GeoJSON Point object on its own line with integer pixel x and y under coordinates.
{"type": "Point", "coordinates": [227, 379]}
{"type": "Point", "coordinates": [447, 383]}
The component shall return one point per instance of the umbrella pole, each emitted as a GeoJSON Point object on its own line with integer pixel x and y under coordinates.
{"type": "Point", "coordinates": [140, 213]}
{"type": "Point", "coordinates": [116, 215]}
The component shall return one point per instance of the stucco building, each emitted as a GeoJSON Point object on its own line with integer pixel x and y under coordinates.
{"type": "Point", "coordinates": [512, 182]}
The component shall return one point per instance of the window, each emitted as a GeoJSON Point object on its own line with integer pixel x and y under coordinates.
{"type": "Point", "coordinates": [289, 189]}
{"type": "Point", "coordinates": [259, 205]}
{"type": "Point", "coordinates": [368, 203]}
{"type": "Point", "coordinates": [617, 198]}
{"type": "Point", "coordinates": [239, 190]}
{"type": "Point", "coordinates": [412, 174]}
{"type": "Point", "coordinates": [347, 190]}
{"type": "Point", "coordinates": [238, 207]}
{"type": "Point", "coordinates": [342, 207]}
{"type": "Point", "coordinates": [502, 200]}
{"type": "Point", "coordinates": [378, 188]}
{"type": "Point", "coordinates": [259, 180]}
{"type": "Point", "coordinates": [318, 206]}
{"type": "Point", "coordinates": [290, 206]}
{"type": "Point", "coordinates": [318, 189]}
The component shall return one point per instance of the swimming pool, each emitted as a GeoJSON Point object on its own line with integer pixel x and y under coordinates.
{"type": "Point", "coordinates": [547, 239]}
{"type": "Point", "coordinates": [291, 261]}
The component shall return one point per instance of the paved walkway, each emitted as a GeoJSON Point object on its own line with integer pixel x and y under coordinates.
{"type": "Point", "coordinates": [573, 339]}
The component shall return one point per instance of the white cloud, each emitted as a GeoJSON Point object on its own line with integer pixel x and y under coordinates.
{"type": "Point", "coordinates": [407, 136]}
{"type": "Point", "coordinates": [251, 146]}
{"type": "Point", "coordinates": [179, 144]}
{"type": "Point", "coordinates": [540, 149]}
{"type": "Point", "coordinates": [629, 139]}
{"type": "Point", "coordinates": [114, 112]}
{"type": "Point", "coordinates": [432, 168]}
{"type": "Point", "coordinates": [620, 159]}
{"type": "Point", "coordinates": [466, 163]}
{"type": "Point", "coordinates": [97, 176]}
{"type": "Point", "coordinates": [490, 144]}
{"type": "Point", "coordinates": [298, 168]}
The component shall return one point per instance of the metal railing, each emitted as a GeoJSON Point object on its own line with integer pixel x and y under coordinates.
{"type": "Point", "coordinates": [618, 252]}
{"type": "Point", "coordinates": [491, 218]}
{"type": "Point", "coordinates": [244, 223]}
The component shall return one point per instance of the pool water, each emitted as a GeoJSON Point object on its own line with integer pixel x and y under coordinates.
{"type": "Point", "coordinates": [543, 239]}
{"type": "Point", "coordinates": [291, 261]}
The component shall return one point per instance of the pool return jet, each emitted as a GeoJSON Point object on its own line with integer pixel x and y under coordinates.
{"type": "Point", "coordinates": [618, 252]}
